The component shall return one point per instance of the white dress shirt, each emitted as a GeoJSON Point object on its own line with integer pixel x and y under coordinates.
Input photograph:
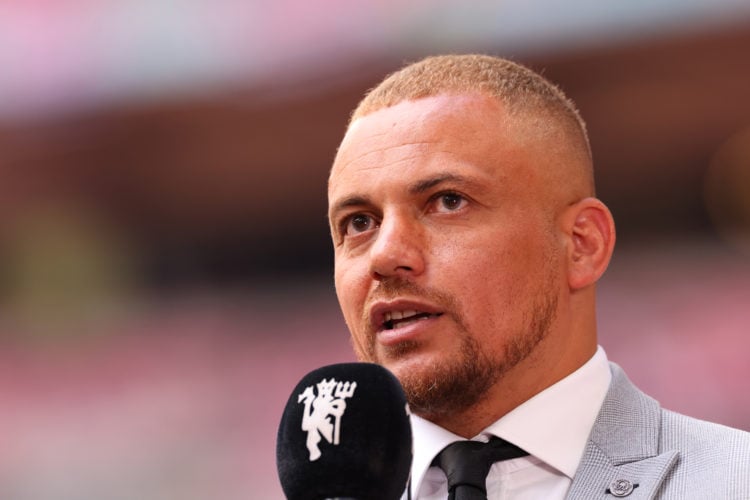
{"type": "Point", "coordinates": [553, 426]}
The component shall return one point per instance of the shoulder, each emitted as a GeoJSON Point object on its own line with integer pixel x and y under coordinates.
{"type": "Point", "coordinates": [711, 457]}
{"type": "Point", "coordinates": [710, 460]}
{"type": "Point", "coordinates": [704, 440]}
{"type": "Point", "coordinates": [669, 455]}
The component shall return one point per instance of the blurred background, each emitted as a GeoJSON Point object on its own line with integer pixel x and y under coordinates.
{"type": "Point", "coordinates": [165, 269]}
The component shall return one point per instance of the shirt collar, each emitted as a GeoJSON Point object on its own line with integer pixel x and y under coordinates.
{"type": "Point", "coordinates": [554, 425]}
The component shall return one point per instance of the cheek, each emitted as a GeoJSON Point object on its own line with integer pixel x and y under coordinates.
{"type": "Point", "coordinates": [490, 260]}
{"type": "Point", "coordinates": [494, 277]}
{"type": "Point", "coordinates": [351, 293]}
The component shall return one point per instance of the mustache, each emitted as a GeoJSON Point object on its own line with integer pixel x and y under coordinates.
{"type": "Point", "coordinates": [396, 286]}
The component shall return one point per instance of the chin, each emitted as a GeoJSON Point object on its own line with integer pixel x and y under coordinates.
{"type": "Point", "coordinates": [417, 374]}
{"type": "Point", "coordinates": [399, 357]}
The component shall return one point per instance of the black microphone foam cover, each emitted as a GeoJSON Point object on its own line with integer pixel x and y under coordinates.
{"type": "Point", "coordinates": [345, 432]}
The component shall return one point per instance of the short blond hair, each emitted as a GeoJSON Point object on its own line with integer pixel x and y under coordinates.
{"type": "Point", "coordinates": [519, 88]}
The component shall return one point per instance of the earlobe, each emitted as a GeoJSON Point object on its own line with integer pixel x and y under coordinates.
{"type": "Point", "coordinates": [592, 240]}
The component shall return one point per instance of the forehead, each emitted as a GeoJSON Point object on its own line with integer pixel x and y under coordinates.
{"type": "Point", "coordinates": [468, 131]}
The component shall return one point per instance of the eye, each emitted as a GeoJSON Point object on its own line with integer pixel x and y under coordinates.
{"type": "Point", "coordinates": [357, 223]}
{"type": "Point", "coordinates": [449, 202]}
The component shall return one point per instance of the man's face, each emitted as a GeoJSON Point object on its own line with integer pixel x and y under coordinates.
{"type": "Point", "coordinates": [447, 260]}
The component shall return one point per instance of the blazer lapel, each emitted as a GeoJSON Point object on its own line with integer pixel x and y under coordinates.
{"type": "Point", "coordinates": [622, 459]}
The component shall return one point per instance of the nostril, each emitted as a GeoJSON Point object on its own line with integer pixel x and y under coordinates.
{"type": "Point", "coordinates": [382, 275]}
{"type": "Point", "coordinates": [391, 256]}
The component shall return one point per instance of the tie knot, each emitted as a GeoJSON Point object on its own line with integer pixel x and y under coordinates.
{"type": "Point", "coordinates": [466, 464]}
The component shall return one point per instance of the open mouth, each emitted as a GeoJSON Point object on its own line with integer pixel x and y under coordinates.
{"type": "Point", "coordinates": [395, 319]}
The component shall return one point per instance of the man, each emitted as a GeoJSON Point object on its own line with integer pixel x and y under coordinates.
{"type": "Point", "coordinates": [468, 242]}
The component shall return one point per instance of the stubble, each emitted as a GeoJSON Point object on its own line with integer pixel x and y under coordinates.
{"type": "Point", "coordinates": [457, 383]}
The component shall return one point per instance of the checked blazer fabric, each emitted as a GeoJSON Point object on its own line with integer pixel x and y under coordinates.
{"type": "Point", "coordinates": [637, 450]}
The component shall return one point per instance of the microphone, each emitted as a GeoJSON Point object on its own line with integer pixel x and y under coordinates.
{"type": "Point", "coordinates": [345, 433]}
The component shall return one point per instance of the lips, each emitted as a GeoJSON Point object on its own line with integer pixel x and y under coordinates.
{"type": "Point", "coordinates": [395, 319]}
{"type": "Point", "coordinates": [398, 314]}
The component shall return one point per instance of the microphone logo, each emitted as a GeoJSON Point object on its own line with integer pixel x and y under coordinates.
{"type": "Point", "coordinates": [322, 415]}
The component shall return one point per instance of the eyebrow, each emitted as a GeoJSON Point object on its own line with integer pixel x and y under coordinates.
{"type": "Point", "coordinates": [429, 183]}
{"type": "Point", "coordinates": [351, 201]}
{"type": "Point", "coordinates": [418, 187]}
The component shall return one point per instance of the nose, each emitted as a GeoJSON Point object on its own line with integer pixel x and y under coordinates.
{"type": "Point", "coordinates": [398, 249]}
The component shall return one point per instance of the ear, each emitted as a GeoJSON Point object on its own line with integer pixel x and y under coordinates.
{"type": "Point", "coordinates": [591, 232]}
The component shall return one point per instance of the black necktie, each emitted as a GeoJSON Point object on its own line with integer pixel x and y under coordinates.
{"type": "Point", "coordinates": [466, 463]}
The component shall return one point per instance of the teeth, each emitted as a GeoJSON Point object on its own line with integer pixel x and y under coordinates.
{"type": "Point", "coordinates": [390, 316]}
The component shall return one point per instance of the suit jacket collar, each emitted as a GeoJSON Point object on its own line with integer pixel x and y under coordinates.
{"type": "Point", "coordinates": [623, 449]}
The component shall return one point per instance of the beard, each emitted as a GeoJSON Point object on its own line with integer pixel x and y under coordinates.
{"type": "Point", "coordinates": [456, 384]}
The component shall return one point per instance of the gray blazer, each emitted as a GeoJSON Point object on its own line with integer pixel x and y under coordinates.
{"type": "Point", "coordinates": [667, 455]}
